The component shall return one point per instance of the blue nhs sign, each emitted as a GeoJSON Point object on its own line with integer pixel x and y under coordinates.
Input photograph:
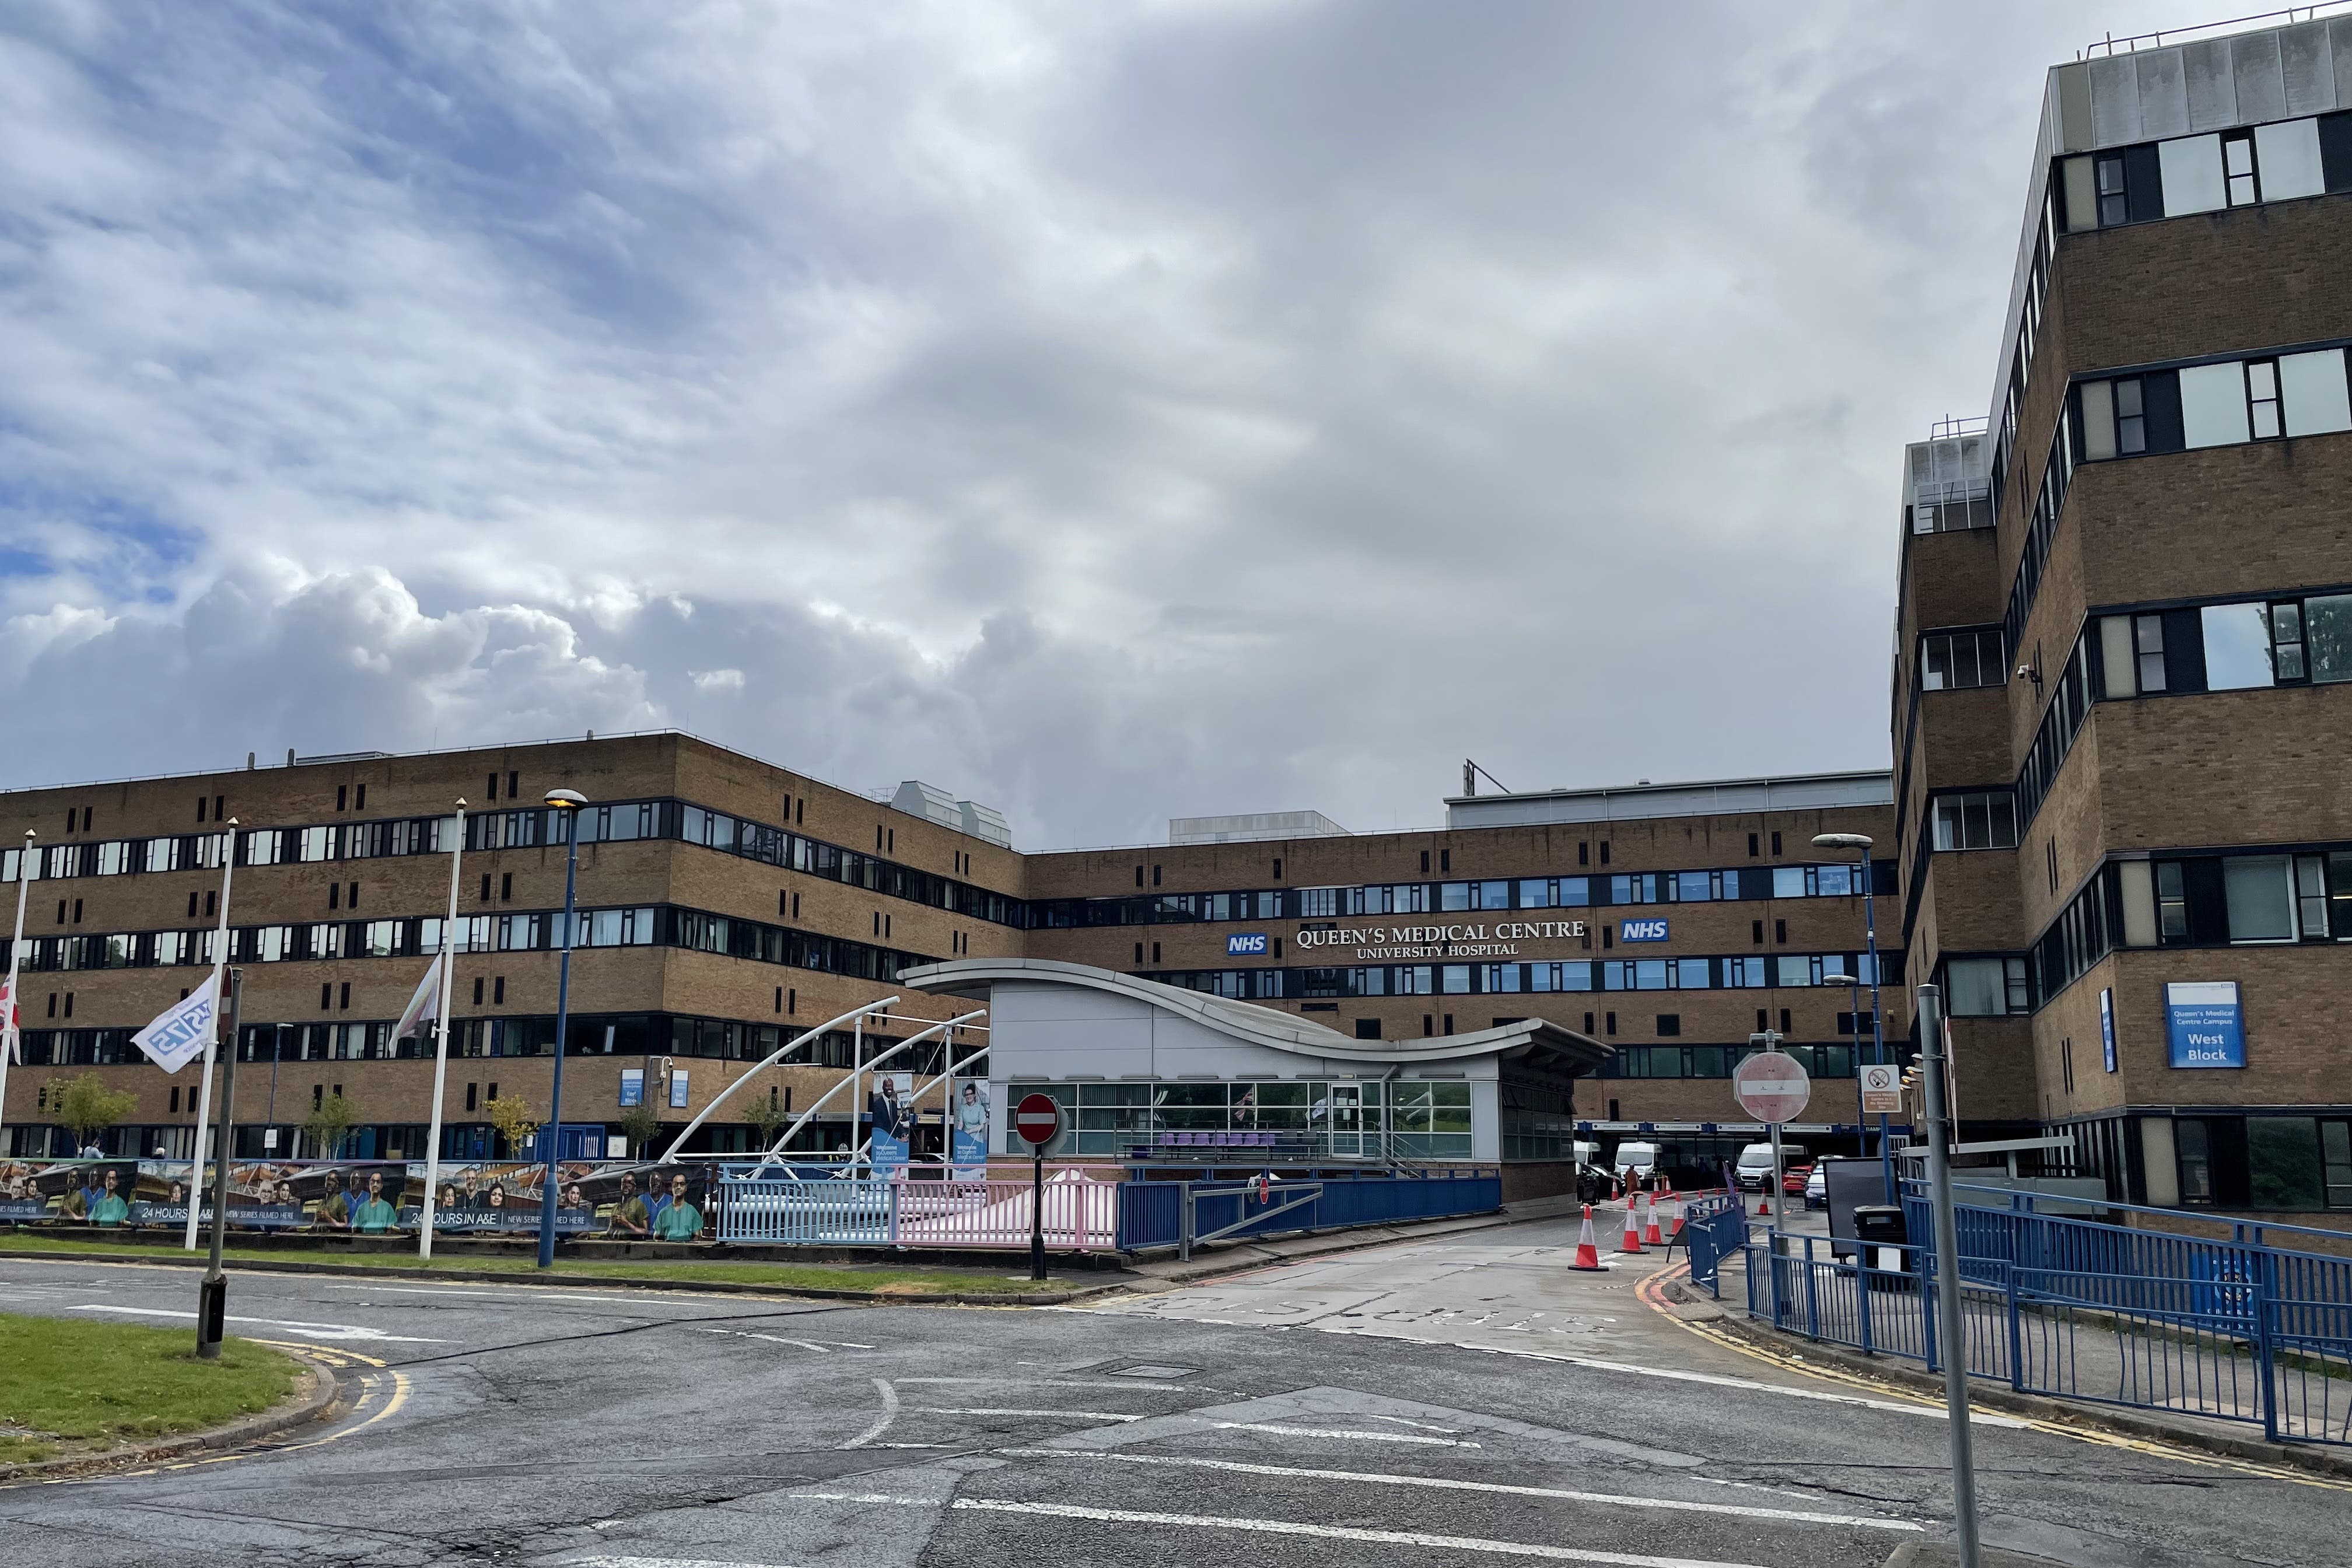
{"type": "Point", "coordinates": [1642, 930]}
{"type": "Point", "coordinates": [1245, 944]}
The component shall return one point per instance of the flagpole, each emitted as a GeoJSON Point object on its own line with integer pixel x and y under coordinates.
{"type": "Point", "coordinates": [441, 1045]}
{"type": "Point", "coordinates": [8, 1030]}
{"type": "Point", "coordinates": [205, 1094]}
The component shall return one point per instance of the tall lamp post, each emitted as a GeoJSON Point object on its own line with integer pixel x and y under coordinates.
{"type": "Point", "coordinates": [566, 804]}
{"type": "Point", "coordinates": [1860, 844]}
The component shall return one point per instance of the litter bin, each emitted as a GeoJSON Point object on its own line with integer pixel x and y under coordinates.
{"type": "Point", "coordinates": [1880, 1232]}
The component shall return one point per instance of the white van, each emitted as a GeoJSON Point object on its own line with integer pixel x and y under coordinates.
{"type": "Point", "coordinates": [1642, 1158]}
{"type": "Point", "coordinates": [1754, 1171]}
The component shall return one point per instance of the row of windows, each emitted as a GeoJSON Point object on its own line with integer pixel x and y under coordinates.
{"type": "Point", "coordinates": [2279, 1162]}
{"type": "Point", "coordinates": [531, 827]}
{"type": "Point", "coordinates": [1754, 882]}
{"type": "Point", "coordinates": [1955, 661]}
{"type": "Point", "coordinates": [586, 1034]}
{"type": "Point", "coordinates": [647, 926]}
{"type": "Point", "coordinates": [1719, 1061]}
{"type": "Point", "coordinates": [2240, 646]}
{"type": "Point", "coordinates": [1740, 972]}
{"type": "Point", "coordinates": [2204, 173]}
{"type": "Point", "coordinates": [2194, 407]}
{"type": "Point", "coordinates": [2200, 900]}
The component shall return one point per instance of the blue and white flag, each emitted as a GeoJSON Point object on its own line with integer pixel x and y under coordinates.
{"type": "Point", "coordinates": [178, 1034]}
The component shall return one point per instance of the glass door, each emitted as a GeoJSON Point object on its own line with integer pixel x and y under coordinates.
{"type": "Point", "coordinates": [1346, 1120]}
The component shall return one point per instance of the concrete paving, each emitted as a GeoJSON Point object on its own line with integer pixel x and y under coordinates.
{"type": "Point", "coordinates": [1445, 1400]}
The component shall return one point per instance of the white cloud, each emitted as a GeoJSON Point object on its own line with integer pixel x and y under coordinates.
{"type": "Point", "coordinates": [1114, 413]}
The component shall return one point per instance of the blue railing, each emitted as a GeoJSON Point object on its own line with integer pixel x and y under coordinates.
{"type": "Point", "coordinates": [1151, 1214]}
{"type": "Point", "coordinates": [1713, 1229]}
{"type": "Point", "coordinates": [2230, 1330]}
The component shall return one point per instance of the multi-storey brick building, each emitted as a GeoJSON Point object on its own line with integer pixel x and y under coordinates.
{"type": "Point", "coordinates": [2125, 616]}
{"type": "Point", "coordinates": [731, 905]}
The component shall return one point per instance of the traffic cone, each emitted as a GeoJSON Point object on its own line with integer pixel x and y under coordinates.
{"type": "Point", "coordinates": [1763, 1206]}
{"type": "Point", "coordinates": [1587, 1251]}
{"type": "Point", "coordinates": [1633, 1240]}
{"type": "Point", "coordinates": [1650, 1236]}
{"type": "Point", "coordinates": [1673, 1214]}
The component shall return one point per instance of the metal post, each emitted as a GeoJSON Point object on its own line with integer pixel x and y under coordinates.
{"type": "Point", "coordinates": [205, 1086]}
{"type": "Point", "coordinates": [1878, 1022]}
{"type": "Point", "coordinates": [440, 1044]}
{"type": "Point", "coordinates": [1947, 1273]}
{"type": "Point", "coordinates": [16, 962]}
{"type": "Point", "coordinates": [553, 1131]}
{"type": "Point", "coordinates": [1038, 1215]}
{"type": "Point", "coordinates": [211, 1295]}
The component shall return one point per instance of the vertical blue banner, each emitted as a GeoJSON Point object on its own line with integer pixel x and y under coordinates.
{"type": "Point", "coordinates": [2108, 1028]}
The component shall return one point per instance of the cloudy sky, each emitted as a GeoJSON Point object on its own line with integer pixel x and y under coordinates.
{"type": "Point", "coordinates": [1105, 411]}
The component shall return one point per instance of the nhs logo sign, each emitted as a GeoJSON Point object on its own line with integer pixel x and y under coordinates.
{"type": "Point", "coordinates": [1245, 944]}
{"type": "Point", "coordinates": [1642, 930]}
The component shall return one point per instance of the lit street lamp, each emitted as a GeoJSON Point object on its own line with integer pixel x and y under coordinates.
{"type": "Point", "coordinates": [1860, 844]}
{"type": "Point", "coordinates": [566, 803]}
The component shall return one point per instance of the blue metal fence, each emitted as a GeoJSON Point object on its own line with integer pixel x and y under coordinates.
{"type": "Point", "coordinates": [2229, 1329]}
{"type": "Point", "coordinates": [1150, 1213]}
{"type": "Point", "coordinates": [1713, 1229]}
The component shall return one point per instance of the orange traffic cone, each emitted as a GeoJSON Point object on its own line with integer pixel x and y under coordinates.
{"type": "Point", "coordinates": [1650, 1236]}
{"type": "Point", "coordinates": [1763, 1206]}
{"type": "Point", "coordinates": [1632, 1239]}
{"type": "Point", "coordinates": [1587, 1251]}
{"type": "Point", "coordinates": [1673, 1214]}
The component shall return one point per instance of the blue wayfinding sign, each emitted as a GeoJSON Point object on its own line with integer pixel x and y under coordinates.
{"type": "Point", "coordinates": [2108, 1028]}
{"type": "Point", "coordinates": [1642, 930]}
{"type": "Point", "coordinates": [2203, 1024]}
{"type": "Point", "coordinates": [1245, 944]}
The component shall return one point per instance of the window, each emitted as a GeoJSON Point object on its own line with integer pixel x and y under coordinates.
{"type": "Point", "coordinates": [2213, 402]}
{"type": "Point", "coordinates": [1952, 662]}
{"type": "Point", "coordinates": [2283, 1163]}
{"type": "Point", "coordinates": [2262, 399]}
{"type": "Point", "coordinates": [2114, 205]}
{"type": "Point", "coordinates": [1986, 987]}
{"type": "Point", "coordinates": [1980, 821]}
{"type": "Point", "coordinates": [1669, 1025]}
{"type": "Point", "coordinates": [2311, 895]}
{"type": "Point", "coordinates": [2261, 898]}
{"type": "Point", "coordinates": [2131, 417]}
{"type": "Point", "coordinates": [2237, 647]}
{"type": "Point", "coordinates": [2171, 901]}
{"type": "Point", "coordinates": [2238, 174]}
{"type": "Point", "coordinates": [1367, 1028]}
{"type": "Point", "coordinates": [2286, 642]}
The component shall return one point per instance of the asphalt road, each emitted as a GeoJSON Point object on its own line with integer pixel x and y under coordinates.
{"type": "Point", "coordinates": [1399, 1407]}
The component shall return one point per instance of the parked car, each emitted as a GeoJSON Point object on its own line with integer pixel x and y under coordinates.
{"type": "Point", "coordinates": [1794, 1179]}
{"type": "Point", "coordinates": [1754, 1170]}
{"type": "Point", "coordinates": [1817, 1188]}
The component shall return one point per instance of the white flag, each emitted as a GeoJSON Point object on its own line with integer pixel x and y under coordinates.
{"type": "Point", "coordinates": [178, 1034]}
{"type": "Point", "coordinates": [8, 1039]}
{"type": "Point", "coordinates": [412, 1018]}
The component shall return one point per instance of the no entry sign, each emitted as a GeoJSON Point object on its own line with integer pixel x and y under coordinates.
{"type": "Point", "coordinates": [1037, 1119]}
{"type": "Point", "coordinates": [1771, 1087]}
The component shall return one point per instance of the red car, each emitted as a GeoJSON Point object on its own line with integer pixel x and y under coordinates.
{"type": "Point", "coordinates": [1792, 1180]}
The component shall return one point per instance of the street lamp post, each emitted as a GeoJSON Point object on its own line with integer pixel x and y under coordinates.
{"type": "Point", "coordinates": [1860, 844]}
{"type": "Point", "coordinates": [566, 803]}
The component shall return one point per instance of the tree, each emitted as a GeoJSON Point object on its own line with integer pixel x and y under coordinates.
{"type": "Point", "coordinates": [767, 1120]}
{"type": "Point", "coordinates": [329, 1123]}
{"type": "Point", "coordinates": [512, 1118]}
{"type": "Point", "coordinates": [641, 1126]}
{"type": "Point", "coordinates": [86, 1107]}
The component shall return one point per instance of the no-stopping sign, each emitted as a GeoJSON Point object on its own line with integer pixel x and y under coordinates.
{"type": "Point", "coordinates": [1771, 1087]}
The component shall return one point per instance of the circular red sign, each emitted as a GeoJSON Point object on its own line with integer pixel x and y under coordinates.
{"type": "Point", "coordinates": [1771, 1087]}
{"type": "Point", "coordinates": [1037, 1119]}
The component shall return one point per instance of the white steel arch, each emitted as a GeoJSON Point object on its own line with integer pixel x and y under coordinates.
{"type": "Point", "coordinates": [789, 1046]}
{"type": "Point", "coordinates": [916, 1038]}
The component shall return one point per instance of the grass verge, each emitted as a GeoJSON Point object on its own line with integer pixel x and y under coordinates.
{"type": "Point", "coordinates": [75, 1386]}
{"type": "Point", "coordinates": [876, 1279]}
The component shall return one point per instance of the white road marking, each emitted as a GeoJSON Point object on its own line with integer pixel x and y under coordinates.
{"type": "Point", "coordinates": [1288, 1527]}
{"type": "Point", "coordinates": [772, 1339]}
{"type": "Point", "coordinates": [1424, 1426]}
{"type": "Point", "coordinates": [1799, 1516]}
{"type": "Point", "coordinates": [526, 1293]}
{"type": "Point", "coordinates": [1121, 1383]}
{"type": "Point", "coordinates": [1280, 1431]}
{"type": "Point", "coordinates": [889, 1413]}
{"type": "Point", "coordinates": [316, 1330]}
{"type": "Point", "coordinates": [1000, 1412]}
{"type": "Point", "coordinates": [608, 1562]}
